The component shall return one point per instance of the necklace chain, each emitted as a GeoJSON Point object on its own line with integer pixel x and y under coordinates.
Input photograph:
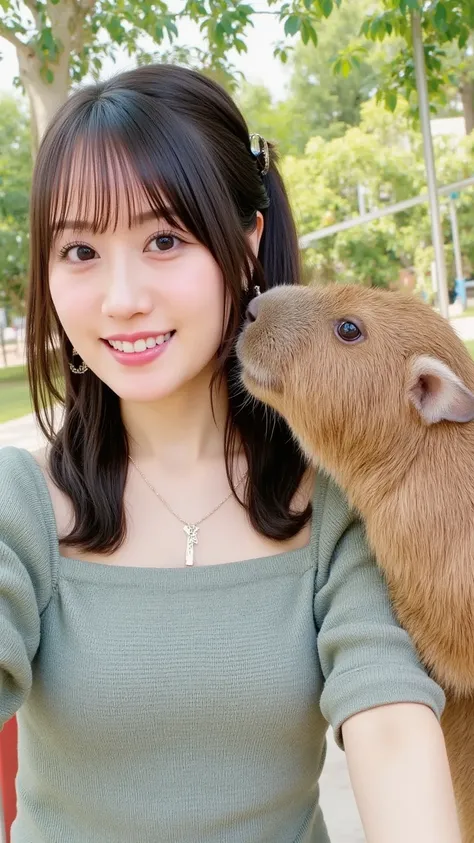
{"type": "Point", "coordinates": [190, 528]}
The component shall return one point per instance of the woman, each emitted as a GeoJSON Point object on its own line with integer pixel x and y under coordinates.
{"type": "Point", "coordinates": [184, 604]}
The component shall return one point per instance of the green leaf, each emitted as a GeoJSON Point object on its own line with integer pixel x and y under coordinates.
{"type": "Point", "coordinates": [292, 24]}
{"type": "Point", "coordinates": [281, 53]}
{"type": "Point", "coordinates": [47, 75]}
{"type": "Point", "coordinates": [346, 67]}
{"type": "Point", "coordinates": [240, 45]}
{"type": "Point", "coordinates": [171, 28]}
{"type": "Point", "coordinates": [115, 29]}
{"type": "Point", "coordinates": [326, 7]}
{"type": "Point", "coordinates": [313, 35]}
{"type": "Point", "coordinates": [391, 100]}
{"type": "Point", "coordinates": [463, 39]}
{"type": "Point", "coordinates": [374, 28]}
{"type": "Point", "coordinates": [47, 43]}
{"type": "Point", "coordinates": [440, 16]}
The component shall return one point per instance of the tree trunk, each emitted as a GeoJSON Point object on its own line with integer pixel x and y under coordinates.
{"type": "Point", "coordinates": [66, 19]}
{"type": "Point", "coordinates": [44, 98]}
{"type": "Point", "coordinates": [467, 96]}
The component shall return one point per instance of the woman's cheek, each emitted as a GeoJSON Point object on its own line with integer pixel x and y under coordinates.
{"type": "Point", "coordinates": [74, 301]}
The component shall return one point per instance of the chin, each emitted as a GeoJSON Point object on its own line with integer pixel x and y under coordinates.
{"type": "Point", "coordinates": [140, 389]}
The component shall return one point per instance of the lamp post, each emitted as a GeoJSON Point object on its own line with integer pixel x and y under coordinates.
{"type": "Point", "coordinates": [460, 280]}
{"type": "Point", "coordinates": [436, 231]}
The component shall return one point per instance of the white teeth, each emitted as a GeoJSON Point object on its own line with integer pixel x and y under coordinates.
{"type": "Point", "coordinates": [139, 345]}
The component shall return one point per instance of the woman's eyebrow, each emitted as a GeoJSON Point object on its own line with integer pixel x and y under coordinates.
{"type": "Point", "coordinates": [85, 225]}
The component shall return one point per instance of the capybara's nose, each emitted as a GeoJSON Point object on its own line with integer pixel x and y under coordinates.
{"type": "Point", "coordinates": [252, 309]}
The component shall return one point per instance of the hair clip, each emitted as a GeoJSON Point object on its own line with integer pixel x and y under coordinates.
{"type": "Point", "coordinates": [259, 148]}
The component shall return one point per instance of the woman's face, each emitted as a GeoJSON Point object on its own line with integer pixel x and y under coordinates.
{"type": "Point", "coordinates": [142, 305]}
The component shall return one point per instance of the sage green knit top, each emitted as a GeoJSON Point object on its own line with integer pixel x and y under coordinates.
{"type": "Point", "coordinates": [164, 705]}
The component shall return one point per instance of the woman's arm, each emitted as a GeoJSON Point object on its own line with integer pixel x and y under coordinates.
{"type": "Point", "coordinates": [400, 775]}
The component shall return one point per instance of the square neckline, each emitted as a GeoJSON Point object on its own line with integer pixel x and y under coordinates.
{"type": "Point", "coordinates": [296, 560]}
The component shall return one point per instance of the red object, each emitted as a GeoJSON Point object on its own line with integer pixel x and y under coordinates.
{"type": "Point", "coordinates": [8, 771]}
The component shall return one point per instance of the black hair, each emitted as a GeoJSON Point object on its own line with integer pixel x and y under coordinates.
{"type": "Point", "coordinates": [177, 139]}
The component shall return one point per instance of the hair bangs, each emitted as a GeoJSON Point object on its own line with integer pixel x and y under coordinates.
{"type": "Point", "coordinates": [111, 167]}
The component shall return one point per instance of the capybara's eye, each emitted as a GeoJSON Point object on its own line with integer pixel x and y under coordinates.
{"type": "Point", "coordinates": [348, 331]}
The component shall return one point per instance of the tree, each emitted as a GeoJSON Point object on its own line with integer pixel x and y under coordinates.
{"type": "Point", "coordinates": [447, 28]}
{"type": "Point", "coordinates": [384, 154]}
{"type": "Point", "coordinates": [59, 41]}
{"type": "Point", "coordinates": [458, 70]}
{"type": "Point", "coordinates": [320, 101]}
{"type": "Point", "coordinates": [325, 102]}
{"type": "Point", "coordinates": [275, 121]}
{"type": "Point", "coordinates": [362, 49]}
{"type": "Point", "coordinates": [15, 176]}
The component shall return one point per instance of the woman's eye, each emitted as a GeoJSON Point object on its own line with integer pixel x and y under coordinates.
{"type": "Point", "coordinates": [79, 253]}
{"type": "Point", "coordinates": [162, 243]}
{"type": "Point", "coordinates": [348, 331]}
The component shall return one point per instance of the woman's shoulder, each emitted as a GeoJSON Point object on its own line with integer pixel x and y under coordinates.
{"type": "Point", "coordinates": [27, 522]}
{"type": "Point", "coordinates": [332, 509]}
{"type": "Point", "coordinates": [23, 471]}
{"type": "Point", "coordinates": [18, 474]}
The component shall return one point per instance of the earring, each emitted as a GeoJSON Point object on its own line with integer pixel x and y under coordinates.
{"type": "Point", "coordinates": [78, 370]}
{"type": "Point", "coordinates": [256, 290]}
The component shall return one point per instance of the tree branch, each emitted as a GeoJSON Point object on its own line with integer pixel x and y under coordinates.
{"type": "Point", "coordinates": [79, 34]}
{"type": "Point", "coordinates": [12, 37]}
{"type": "Point", "coordinates": [31, 5]}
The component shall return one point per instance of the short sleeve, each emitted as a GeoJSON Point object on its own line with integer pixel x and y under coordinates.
{"type": "Point", "coordinates": [367, 659]}
{"type": "Point", "coordinates": [26, 574]}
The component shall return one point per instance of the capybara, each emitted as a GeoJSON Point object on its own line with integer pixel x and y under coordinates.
{"type": "Point", "coordinates": [379, 391]}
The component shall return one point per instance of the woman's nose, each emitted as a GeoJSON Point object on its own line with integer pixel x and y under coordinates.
{"type": "Point", "coordinates": [126, 295]}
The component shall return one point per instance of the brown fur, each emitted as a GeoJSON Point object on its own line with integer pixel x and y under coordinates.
{"type": "Point", "coordinates": [413, 483]}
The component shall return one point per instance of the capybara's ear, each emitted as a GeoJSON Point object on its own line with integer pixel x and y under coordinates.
{"type": "Point", "coordinates": [437, 393]}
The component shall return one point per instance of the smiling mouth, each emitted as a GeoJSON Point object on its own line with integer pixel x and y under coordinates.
{"type": "Point", "coordinates": [141, 345]}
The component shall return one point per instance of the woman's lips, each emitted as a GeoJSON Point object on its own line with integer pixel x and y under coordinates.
{"type": "Point", "coordinates": [140, 357]}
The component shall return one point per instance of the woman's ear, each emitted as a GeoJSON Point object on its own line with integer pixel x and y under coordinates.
{"type": "Point", "coordinates": [256, 235]}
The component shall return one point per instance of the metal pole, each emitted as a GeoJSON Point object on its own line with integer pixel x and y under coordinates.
{"type": "Point", "coordinates": [3, 347]}
{"type": "Point", "coordinates": [460, 286]}
{"type": "Point", "coordinates": [455, 234]}
{"type": "Point", "coordinates": [436, 232]}
{"type": "Point", "coordinates": [361, 198]}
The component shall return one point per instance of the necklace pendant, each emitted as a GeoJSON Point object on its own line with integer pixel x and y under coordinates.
{"type": "Point", "coordinates": [191, 531]}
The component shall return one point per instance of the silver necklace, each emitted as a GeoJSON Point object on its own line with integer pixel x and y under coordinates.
{"type": "Point", "coordinates": [191, 529]}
